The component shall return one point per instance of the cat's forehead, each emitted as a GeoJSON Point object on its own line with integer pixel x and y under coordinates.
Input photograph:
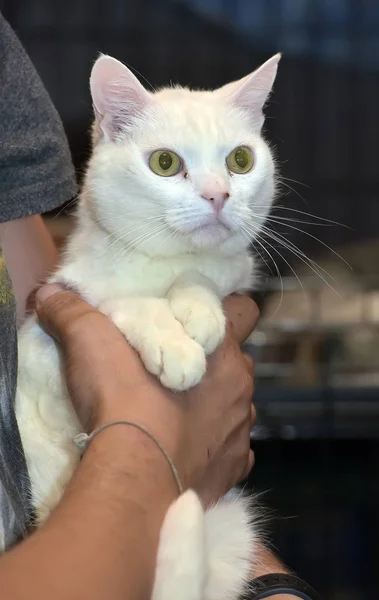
{"type": "Point", "coordinates": [192, 116]}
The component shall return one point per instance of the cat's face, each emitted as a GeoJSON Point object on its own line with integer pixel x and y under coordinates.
{"type": "Point", "coordinates": [178, 170]}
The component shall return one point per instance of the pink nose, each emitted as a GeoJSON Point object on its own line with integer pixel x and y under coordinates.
{"type": "Point", "coordinates": [216, 197]}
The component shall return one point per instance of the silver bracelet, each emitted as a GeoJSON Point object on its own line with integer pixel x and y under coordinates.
{"type": "Point", "coordinates": [82, 441]}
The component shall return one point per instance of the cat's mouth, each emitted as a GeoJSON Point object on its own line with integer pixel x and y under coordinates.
{"type": "Point", "coordinates": [205, 230]}
{"type": "Point", "coordinates": [208, 233]}
{"type": "Point", "coordinates": [217, 225]}
{"type": "Point", "coordinates": [214, 225]}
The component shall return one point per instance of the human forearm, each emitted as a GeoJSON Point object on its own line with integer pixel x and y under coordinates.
{"type": "Point", "coordinates": [265, 563]}
{"type": "Point", "coordinates": [101, 541]}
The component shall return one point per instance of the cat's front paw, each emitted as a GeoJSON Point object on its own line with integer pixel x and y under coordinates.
{"type": "Point", "coordinates": [177, 361]}
{"type": "Point", "coordinates": [165, 349]}
{"type": "Point", "coordinates": [201, 316]}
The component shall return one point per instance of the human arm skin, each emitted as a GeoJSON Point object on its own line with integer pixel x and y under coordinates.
{"type": "Point", "coordinates": [101, 541]}
{"type": "Point", "coordinates": [30, 254]}
{"type": "Point", "coordinates": [265, 563]}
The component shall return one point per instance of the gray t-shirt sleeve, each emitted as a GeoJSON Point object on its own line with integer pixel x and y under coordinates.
{"type": "Point", "coordinates": [36, 175]}
{"type": "Point", "coordinates": [15, 503]}
{"type": "Point", "coordinates": [36, 172]}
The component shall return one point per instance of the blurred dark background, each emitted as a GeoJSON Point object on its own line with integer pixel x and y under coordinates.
{"type": "Point", "coordinates": [318, 349]}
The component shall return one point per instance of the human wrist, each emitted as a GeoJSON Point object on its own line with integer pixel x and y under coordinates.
{"type": "Point", "coordinates": [154, 410]}
{"type": "Point", "coordinates": [267, 563]}
{"type": "Point", "coordinates": [128, 452]}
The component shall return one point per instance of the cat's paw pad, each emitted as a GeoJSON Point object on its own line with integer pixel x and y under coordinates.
{"type": "Point", "coordinates": [178, 362]}
{"type": "Point", "coordinates": [203, 322]}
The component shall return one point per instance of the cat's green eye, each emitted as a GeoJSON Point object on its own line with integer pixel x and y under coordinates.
{"type": "Point", "coordinates": [165, 163]}
{"type": "Point", "coordinates": [240, 160]}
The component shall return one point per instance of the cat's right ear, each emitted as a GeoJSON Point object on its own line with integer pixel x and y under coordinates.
{"type": "Point", "coordinates": [118, 98]}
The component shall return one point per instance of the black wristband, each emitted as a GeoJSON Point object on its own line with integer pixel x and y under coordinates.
{"type": "Point", "coordinates": [281, 583]}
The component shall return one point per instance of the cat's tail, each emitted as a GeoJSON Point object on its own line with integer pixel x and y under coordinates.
{"type": "Point", "coordinates": [231, 539]}
{"type": "Point", "coordinates": [181, 561]}
{"type": "Point", "coordinates": [205, 556]}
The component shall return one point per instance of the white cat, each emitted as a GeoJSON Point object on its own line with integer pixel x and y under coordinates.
{"type": "Point", "coordinates": [177, 187]}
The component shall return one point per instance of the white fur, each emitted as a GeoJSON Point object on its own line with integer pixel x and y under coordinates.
{"type": "Point", "coordinates": [205, 556]}
{"type": "Point", "coordinates": [154, 255]}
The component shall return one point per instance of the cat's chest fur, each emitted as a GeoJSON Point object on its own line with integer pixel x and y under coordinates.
{"type": "Point", "coordinates": [103, 273]}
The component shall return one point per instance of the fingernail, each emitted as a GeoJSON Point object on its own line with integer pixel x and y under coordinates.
{"type": "Point", "coordinates": [48, 290]}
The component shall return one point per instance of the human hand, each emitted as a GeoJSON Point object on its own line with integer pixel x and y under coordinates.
{"type": "Point", "coordinates": [228, 386]}
{"type": "Point", "coordinates": [205, 430]}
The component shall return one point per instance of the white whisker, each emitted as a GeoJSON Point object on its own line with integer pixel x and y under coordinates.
{"type": "Point", "coordinates": [314, 238]}
{"type": "Point", "coordinates": [256, 232]}
{"type": "Point", "coordinates": [246, 233]}
{"type": "Point", "coordinates": [307, 214]}
{"type": "Point", "coordinates": [301, 256]}
{"type": "Point", "coordinates": [122, 232]}
{"type": "Point", "coordinates": [281, 182]}
{"type": "Point", "coordinates": [282, 178]}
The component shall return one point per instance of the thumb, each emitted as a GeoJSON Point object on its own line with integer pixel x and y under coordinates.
{"type": "Point", "coordinates": [242, 314]}
{"type": "Point", "coordinates": [59, 310]}
{"type": "Point", "coordinates": [48, 290]}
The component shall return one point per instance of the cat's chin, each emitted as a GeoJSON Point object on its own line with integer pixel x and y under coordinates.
{"type": "Point", "coordinates": [209, 234]}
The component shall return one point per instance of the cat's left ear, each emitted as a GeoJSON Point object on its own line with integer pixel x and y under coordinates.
{"type": "Point", "coordinates": [251, 92]}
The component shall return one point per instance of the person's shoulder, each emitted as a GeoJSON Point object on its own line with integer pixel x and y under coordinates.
{"type": "Point", "coordinates": [37, 174]}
